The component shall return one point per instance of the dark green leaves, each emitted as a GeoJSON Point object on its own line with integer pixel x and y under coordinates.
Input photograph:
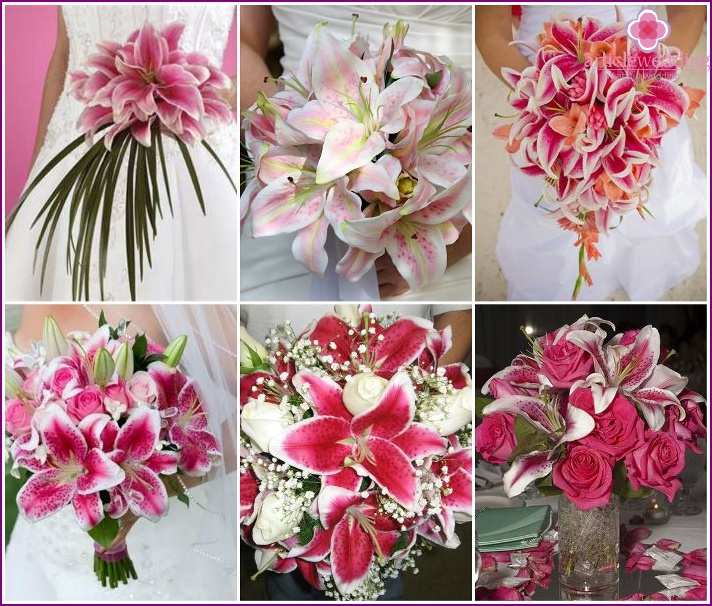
{"type": "Point", "coordinates": [307, 527]}
{"type": "Point", "coordinates": [105, 531]}
{"type": "Point", "coordinates": [85, 197]}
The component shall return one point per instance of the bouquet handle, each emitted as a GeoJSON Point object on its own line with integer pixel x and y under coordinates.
{"type": "Point", "coordinates": [333, 287]}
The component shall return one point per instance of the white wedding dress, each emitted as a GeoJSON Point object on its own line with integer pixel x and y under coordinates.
{"type": "Point", "coordinates": [194, 256]}
{"type": "Point", "coordinates": [188, 555]}
{"type": "Point", "coordinates": [268, 271]}
{"type": "Point", "coordinates": [644, 257]}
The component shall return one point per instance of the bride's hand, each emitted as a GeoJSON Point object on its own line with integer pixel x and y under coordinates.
{"type": "Point", "coordinates": [392, 284]}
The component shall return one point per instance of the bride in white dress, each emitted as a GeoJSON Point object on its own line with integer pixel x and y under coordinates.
{"type": "Point", "coordinates": [191, 553]}
{"type": "Point", "coordinates": [644, 257]}
{"type": "Point", "coordinates": [181, 269]}
{"type": "Point", "coordinates": [268, 271]}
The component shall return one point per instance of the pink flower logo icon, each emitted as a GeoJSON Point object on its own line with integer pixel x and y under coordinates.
{"type": "Point", "coordinates": [647, 30]}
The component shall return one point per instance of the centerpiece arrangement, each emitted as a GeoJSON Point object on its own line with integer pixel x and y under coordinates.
{"type": "Point", "coordinates": [591, 418]}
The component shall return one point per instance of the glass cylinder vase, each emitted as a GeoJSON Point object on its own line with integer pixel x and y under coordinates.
{"type": "Point", "coordinates": [588, 550]}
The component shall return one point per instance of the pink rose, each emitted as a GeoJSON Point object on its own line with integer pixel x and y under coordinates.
{"type": "Point", "coordinates": [32, 383]}
{"type": "Point", "coordinates": [142, 388]}
{"type": "Point", "coordinates": [495, 437]}
{"type": "Point", "coordinates": [153, 349]}
{"type": "Point", "coordinates": [563, 363]}
{"type": "Point", "coordinates": [61, 377]}
{"type": "Point", "coordinates": [586, 477]}
{"type": "Point", "coordinates": [86, 402]}
{"type": "Point", "coordinates": [618, 429]}
{"type": "Point", "coordinates": [18, 416]}
{"type": "Point", "coordinates": [657, 463]}
{"type": "Point", "coordinates": [692, 427]}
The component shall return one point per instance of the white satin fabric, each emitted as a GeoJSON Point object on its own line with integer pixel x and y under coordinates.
{"type": "Point", "coordinates": [181, 268]}
{"type": "Point", "coordinates": [643, 257]}
{"type": "Point", "coordinates": [191, 553]}
{"type": "Point", "coordinates": [268, 270]}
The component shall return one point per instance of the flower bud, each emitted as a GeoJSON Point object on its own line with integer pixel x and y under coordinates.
{"type": "Point", "coordinates": [13, 383]}
{"type": "Point", "coordinates": [124, 361]}
{"type": "Point", "coordinates": [348, 313]}
{"type": "Point", "coordinates": [174, 351]}
{"type": "Point", "coordinates": [54, 341]}
{"type": "Point", "coordinates": [249, 346]}
{"type": "Point", "coordinates": [103, 367]}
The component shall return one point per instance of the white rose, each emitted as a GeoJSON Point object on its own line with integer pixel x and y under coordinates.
{"type": "Point", "coordinates": [454, 414]}
{"type": "Point", "coordinates": [363, 391]}
{"type": "Point", "coordinates": [261, 421]}
{"type": "Point", "coordinates": [348, 313]}
{"type": "Point", "coordinates": [143, 389]}
{"type": "Point", "coordinates": [246, 340]}
{"type": "Point", "coordinates": [275, 522]}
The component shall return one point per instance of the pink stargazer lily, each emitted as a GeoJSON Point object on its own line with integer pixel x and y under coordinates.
{"type": "Point", "coordinates": [380, 442]}
{"type": "Point", "coordinates": [184, 420]}
{"type": "Point", "coordinates": [136, 452]}
{"type": "Point", "coordinates": [555, 418]}
{"type": "Point", "coordinates": [150, 79]}
{"type": "Point", "coordinates": [72, 473]}
{"type": "Point", "coordinates": [385, 350]}
{"type": "Point", "coordinates": [357, 533]}
{"type": "Point", "coordinates": [633, 369]}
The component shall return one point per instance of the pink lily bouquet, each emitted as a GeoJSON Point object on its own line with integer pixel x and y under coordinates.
{"type": "Point", "coordinates": [103, 422]}
{"type": "Point", "coordinates": [589, 417]}
{"type": "Point", "coordinates": [590, 116]}
{"type": "Point", "coordinates": [376, 146]}
{"type": "Point", "coordinates": [135, 94]}
{"type": "Point", "coordinates": [355, 449]}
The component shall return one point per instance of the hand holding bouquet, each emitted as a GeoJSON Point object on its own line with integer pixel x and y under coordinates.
{"type": "Point", "coordinates": [355, 449]}
{"type": "Point", "coordinates": [374, 145]}
{"type": "Point", "coordinates": [102, 422]}
{"type": "Point", "coordinates": [590, 115]}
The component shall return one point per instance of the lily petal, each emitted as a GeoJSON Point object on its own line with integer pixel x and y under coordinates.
{"type": "Point", "coordinates": [526, 469]}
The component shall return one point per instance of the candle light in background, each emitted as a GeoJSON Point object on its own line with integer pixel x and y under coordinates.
{"type": "Point", "coordinates": [657, 510]}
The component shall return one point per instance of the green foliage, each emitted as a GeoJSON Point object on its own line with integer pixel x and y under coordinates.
{"type": "Point", "coordinates": [480, 403]}
{"type": "Point", "coordinates": [307, 528]}
{"type": "Point", "coordinates": [529, 439]}
{"type": "Point", "coordinates": [105, 531]}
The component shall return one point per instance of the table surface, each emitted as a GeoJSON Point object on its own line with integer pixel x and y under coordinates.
{"type": "Point", "coordinates": [690, 531]}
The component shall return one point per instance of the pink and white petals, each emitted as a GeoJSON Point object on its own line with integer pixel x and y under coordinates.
{"type": "Point", "coordinates": [525, 469]}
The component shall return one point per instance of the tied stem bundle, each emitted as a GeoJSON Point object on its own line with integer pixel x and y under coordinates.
{"type": "Point", "coordinates": [113, 566]}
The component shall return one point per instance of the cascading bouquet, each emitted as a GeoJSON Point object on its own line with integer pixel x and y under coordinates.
{"type": "Point", "coordinates": [143, 91]}
{"type": "Point", "coordinates": [103, 422]}
{"type": "Point", "coordinates": [377, 146]}
{"type": "Point", "coordinates": [355, 449]}
{"type": "Point", "coordinates": [590, 116]}
{"type": "Point", "coordinates": [590, 417]}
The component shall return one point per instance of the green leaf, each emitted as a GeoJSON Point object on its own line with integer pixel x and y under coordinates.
{"type": "Point", "coordinates": [621, 484]}
{"type": "Point", "coordinates": [12, 487]}
{"type": "Point", "coordinates": [162, 156]}
{"type": "Point", "coordinates": [140, 347]}
{"type": "Point", "coordinates": [130, 220]}
{"type": "Point", "coordinates": [105, 531]}
{"type": "Point", "coordinates": [177, 488]}
{"type": "Point", "coordinates": [102, 319]}
{"type": "Point", "coordinates": [211, 151]}
{"type": "Point", "coordinates": [480, 403]}
{"type": "Point", "coordinates": [191, 171]}
{"type": "Point", "coordinates": [307, 527]}
{"type": "Point", "coordinates": [401, 543]}
{"type": "Point", "coordinates": [434, 79]}
{"type": "Point", "coordinates": [529, 439]}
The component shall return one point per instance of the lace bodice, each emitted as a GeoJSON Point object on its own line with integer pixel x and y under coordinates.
{"type": "Point", "coordinates": [441, 30]}
{"type": "Point", "coordinates": [206, 26]}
